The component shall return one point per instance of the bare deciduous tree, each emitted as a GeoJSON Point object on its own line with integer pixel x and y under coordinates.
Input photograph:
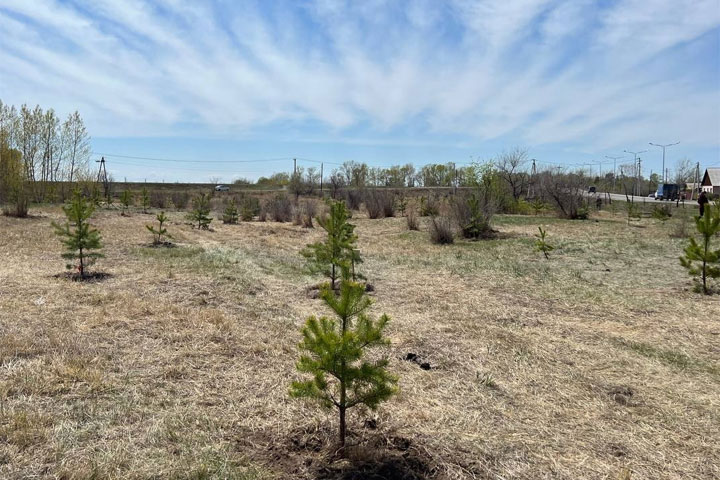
{"type": "Point", "coordinates": [511, 168]}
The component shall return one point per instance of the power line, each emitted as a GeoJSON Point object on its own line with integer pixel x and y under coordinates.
{"type": "Point", "coordinates": [174, 160]}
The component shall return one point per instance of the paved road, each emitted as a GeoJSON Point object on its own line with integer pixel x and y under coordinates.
{"type": "Point", "coordinates": [637, 199]}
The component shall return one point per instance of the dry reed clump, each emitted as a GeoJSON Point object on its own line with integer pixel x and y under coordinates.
{"type": "Point", "coordinates": [412, 220]}
{"type": "Point", "coordinates": [177, 366]}
{"type": "Point", "coordinates": [442, 230]}
{"type": "Point", "coordinates": [379, 203]}
{"type": "Point", "coordinates": [279, 208]}
{"type": "Point", "coordinates": [158, 199]}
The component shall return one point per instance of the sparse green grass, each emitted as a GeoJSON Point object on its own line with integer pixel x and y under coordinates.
{"type": "Point", "coordinates": [671, 357]}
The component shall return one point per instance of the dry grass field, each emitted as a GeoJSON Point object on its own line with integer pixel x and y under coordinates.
{"type": "Point", "coordinates": [600, 363]}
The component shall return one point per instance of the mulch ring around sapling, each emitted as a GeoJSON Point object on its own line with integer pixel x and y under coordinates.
{"type": "Point", "coordinates": [92, 277]}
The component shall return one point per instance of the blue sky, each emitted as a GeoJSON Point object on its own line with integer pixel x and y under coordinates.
{"type": "Point", "coordinates": [380, 81]}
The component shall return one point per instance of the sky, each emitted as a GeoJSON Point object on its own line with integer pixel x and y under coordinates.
{"type": "Point", "coordinates": [239, 88]}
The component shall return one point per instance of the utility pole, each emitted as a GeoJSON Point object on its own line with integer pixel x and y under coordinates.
{"type": "Point", "coordinates": [321, 178]}
{"type": "Point", "coordinates": [663, 148]}
{"type": "Point", "coordinates": [614, 159]}
{"type": "Point", "coordinates": [696, 182]}
{"type": "Point", "coordinates": [294, 166]}
{"type": "Point", "coordinates": [102, 177]}
{"type": "Point", "coordinates": [636, 162]}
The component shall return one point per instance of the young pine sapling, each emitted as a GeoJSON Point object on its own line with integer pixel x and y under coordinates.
{"type": "Point", "coordinates": [79, 238]}
{"type": "Point", "coordinates": [337, 251]}
{"type": "Point", "coordinates": [145, 199]}
{"type": "Point", "coordinates": [160, 232]}
{"type": "Point", "coordinates": [333, 351]}
{"type": "Point", "coordinates": [126, 198]}
{"type": "Point", "coordinates": [699, 259]}
{"type": "Point", "coordinates": [541, 244]}
{"type": "Point", "coordinates": [200, 214]}
{"type": "Point", "coordinates": [230, 215]}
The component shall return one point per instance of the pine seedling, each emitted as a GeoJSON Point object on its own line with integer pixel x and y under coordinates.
{"type": "Point", "coordinates": [699, 259]}
{"type": "Point", "coordinates": [541, 244]}
{"type": "Point", "coordinates": [160, 232]}
{"type": "Point", "coordinates": [145, 199]}
{"type": "Point", "coordinates": [230, 215]}
{"type": "Point", "coordinates": [200, 214]}
{"type": "Point", "coordinates": [126, 198]}
{"type": "Point", "coordinates": [336, 252]}
{"type": "Point", "coordinates": [79, 238]}
{"type": "Point", "coordinates": [333, 354]}
{"type": "Point", "coordinates": [538, 206]}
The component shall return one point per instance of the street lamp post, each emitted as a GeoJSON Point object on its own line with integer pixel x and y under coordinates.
{"type": "Point", "coordinates": [614, 159]}
{"type": "Point", "coordinates": [637, 166]}
{"type": "Point", "coordinates": [664, 147]}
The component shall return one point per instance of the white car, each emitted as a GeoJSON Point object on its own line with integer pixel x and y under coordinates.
{"type": "Point", "coordinates": [222, 188]}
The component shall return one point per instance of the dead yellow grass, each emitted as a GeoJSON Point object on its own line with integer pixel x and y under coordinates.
{"type": "Point", "coordinates": [596, 363]}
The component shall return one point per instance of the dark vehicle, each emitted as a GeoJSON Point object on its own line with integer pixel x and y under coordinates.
{"type": "Point", "coordinates": [667, 191]}
{"type": "Point", "coordinates": [592, 190]}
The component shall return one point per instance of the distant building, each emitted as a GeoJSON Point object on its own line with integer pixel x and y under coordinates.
{"type": "Point", "coordinates": [711, 181]}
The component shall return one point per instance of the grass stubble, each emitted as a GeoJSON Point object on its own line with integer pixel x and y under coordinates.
{"type": "Point", "coordinates": [596, 362]}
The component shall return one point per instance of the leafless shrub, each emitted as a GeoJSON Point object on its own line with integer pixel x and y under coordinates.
{"type": "Point", "coordinates": [379, 203]}
{"type": "Point", "coordinates": [158, 199]}
{"type": "Point", "coordinates": [680, 228]}
{"type": "Point", "coordinates": [309, 208]}
{"type": "Point", "coordinates": [566, 192]}
{"type": "Point", "coordinates": [180, 199]}
{"type": "Point", "coordinates": [442, 230]}
{"type": "Point", "coordinates": [412, 220]}
{"type": "Point", "coordinates": [353, 199]}
{"type": "Point", "coordinates": [279, 208]}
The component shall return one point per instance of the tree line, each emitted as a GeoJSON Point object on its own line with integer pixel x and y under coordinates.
{"type": "Point", "coordinates": [38, 150]}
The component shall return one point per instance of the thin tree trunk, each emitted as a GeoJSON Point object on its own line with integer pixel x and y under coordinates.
{"type": "Point", "coordinates": [343, 427]}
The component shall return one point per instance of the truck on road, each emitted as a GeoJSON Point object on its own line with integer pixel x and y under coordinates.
{"type": "Point", "coordinates": [667, 191]}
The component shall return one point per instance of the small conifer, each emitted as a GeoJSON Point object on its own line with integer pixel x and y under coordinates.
{"type": "Point", "coordinates": [145, 199]}
{"type": "Point", "coordinates": [337, 251]}
{"type": "Point", "coordinates": [230, 215]}
{"type": "Point", "coordinates": [79, 238]}
{"type": "Point", "coordinates": [333, 353]}
{"type": "Point", "coordinates": [160, 232]}
{"type": "Point", "coordinates": [541, 244]}
{"type": "Point", "coordinates": [126, 198]}
{"type": "Point", "coordinates": [699, 259]}
{"type": "Point", "coordinates": [200, 214]}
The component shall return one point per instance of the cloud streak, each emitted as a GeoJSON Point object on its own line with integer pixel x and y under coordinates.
{"type": "Point", "coordinates": [531, 71]}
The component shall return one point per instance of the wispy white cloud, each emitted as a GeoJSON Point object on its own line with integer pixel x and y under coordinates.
{"type": "Point", "coordinates": [534, 71]}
